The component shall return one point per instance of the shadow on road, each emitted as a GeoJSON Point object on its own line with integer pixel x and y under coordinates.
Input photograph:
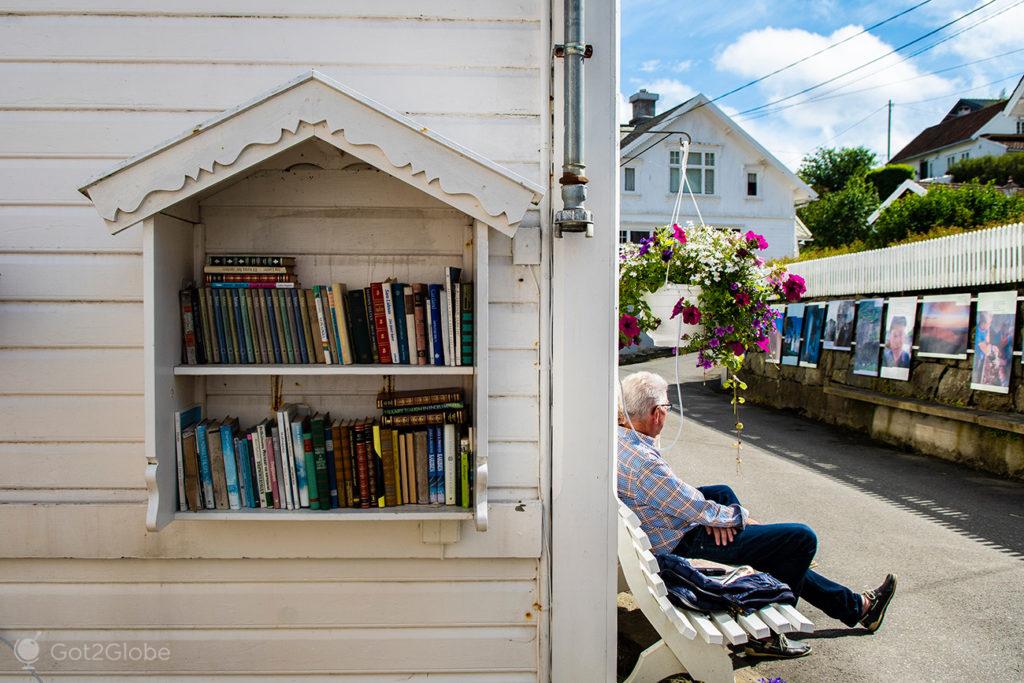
{"type": "Point", "coordinates": [978, 505]}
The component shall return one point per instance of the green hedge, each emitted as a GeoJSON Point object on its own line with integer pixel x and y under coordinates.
{"type": "Point", "coordinates": [997, 170]}
{"type": "Point", "coordinates": [967, 206]}
{"type": "Point", "coordinates": [887, 178]}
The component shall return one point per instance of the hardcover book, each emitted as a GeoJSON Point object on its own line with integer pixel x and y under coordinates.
{"type": "Point", "coordinates": [467, 323]}
{"type": "Point", "coordinates": [205, 468]}
{"type": "Point", "coordinates": [227, 444]}
{"type": "Point", "coordinates": [301, 474]}
{"type": "Point", "coordinates": [362, 462]}
{"type": "Point", "coordinates": [380, 321]}
{"type": "Point", "coordinates": [401, 335]}
{"type": "Point", "coordinates": [409, 305]}
{"type": "Point", "coordinates": [213, 445]}
{"type": "Point", "coordinates": [311, 470]}
{"type": "Point", "coordinates": [419, 299]}
{"type": "Point", "coordinates": [390, 322]}
{"type": "Point", "coordinates": [340, 318]}
{"type": "Point", "coordinates": [371, 322]}
{"type": "Point", "coordinates": [316, 342]}
{"type": "Point", "coordinates": [436, 322]}
{"type": "Point", "coordinates": [422, 467]}
{"type": "Point", "coordinates": [451, 468]}
{"type": "Point", "coordinates": [358, 325]}
{"type": "Point", "coordinates": [319, 445]}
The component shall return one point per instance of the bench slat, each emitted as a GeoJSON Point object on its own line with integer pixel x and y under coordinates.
{"type": "Point", "coordinates": [729, 628]}
{"type": "Point", "coordinates": [705, 628]}
{"type": "Point", "coordinates": [753, 625]}
{"type": "Point", "coordinates": [676, 617]}
{"type": "Point", "coordinates": [640, 539]}
{"type": "Point", "coordinates": [656, 584]}
{"type": "Point", "coordinates": [648, 561]}
{"type": "Point", "coordinates": [775, 621]}
{"type": "Point", "coordinates": [801, 623]}
{"type": "Point", "coordinates": [629, 516]}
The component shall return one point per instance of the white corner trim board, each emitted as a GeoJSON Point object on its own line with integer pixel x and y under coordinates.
{"type": "Point", "coordinates": [309, 106]}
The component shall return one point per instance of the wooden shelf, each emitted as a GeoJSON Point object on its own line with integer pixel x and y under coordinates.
{"type": "Point", "coordinates": [405, 513]}
{"type": "Point", "coordinates": [322, 369]}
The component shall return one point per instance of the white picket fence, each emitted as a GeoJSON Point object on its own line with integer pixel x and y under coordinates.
{"type": "Point", "coordinates": [982, 257]}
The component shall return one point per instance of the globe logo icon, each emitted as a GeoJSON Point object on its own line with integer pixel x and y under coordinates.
{"type": "Point", "coordinates": [27, 651]}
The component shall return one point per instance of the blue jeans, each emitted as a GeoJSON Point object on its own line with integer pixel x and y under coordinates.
{"type": "Point", "coordinates": [783, 550]}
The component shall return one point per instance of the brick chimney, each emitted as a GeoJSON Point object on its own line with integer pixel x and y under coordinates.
{"type": "Point", "coordinates": [643, 106]}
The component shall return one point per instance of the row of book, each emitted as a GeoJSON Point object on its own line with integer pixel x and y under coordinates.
{"type": "Point", "coordinates": [291, 460]}
{"type": "Point", "coordinates": [250, 321]}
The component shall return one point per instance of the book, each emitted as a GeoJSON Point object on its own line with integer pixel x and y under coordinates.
{"type": "Point", "coordinates": [228, 427]}
{"type": "Point", "coordinates": [398, 316]}
{"type": "Point", "coordinates": [440, 417]}
{"type": "Point", "coordinates": [409, 305]}
{"type": "Point", "coordinates": [201, 294]}
{"type": "Point", "coordinates": [436, 339]}
{"type": "Point", "coordinates": [380, 321]}
{"type": "Point", "coordinates": [419, 397]}
{"type": "Point", "coordinates": [205, 469]}
{"type": "Point", "coordinates": [383, 442]}
{"type": "Point", "coordinates": [371, 323]}
{"type": "Point", "coordinates": [419, 299]}
{"type": "Point", "coordinates": [246, 338]}
{"type": "Point", "coordinates": [216, 454]}
{"type": "Point", "coordinates": [189, 354]}
{"type": "Point", "coordinates": [327, 342]}
{"type": "Point", "coordinates": [259, 489]}
{"type": "Point", "coordinates": [231, 314]}
{"type": "Point", "coordinates": [382, 481]}
{"type": "Point", "coordinates": [429, 408]}
{"type": "Point", "coordinates": [216, 325]}
{"type": "Point", "coordinates": [408, 468]}
{"type": "Point", "coordinates": [288, 347]}
{"type": "Point", "coordinates": [422, 467]}
{"type": "Point", "coordinates": [389, 318]}
{"type": "Point", "coordinates": [360, 335]}
{"type": "Point", "coordinates": [252, 285]}
{"type": "Point", "coordinates": [339, 454]}
{"type": "Point", "coordinates": [243, 471]}
{"type": "Point", "coordinates": [298, 337]}
{"type": "Point", "coordinates": [340, 318]}
{"type": "Point", "coordinates": [248, 270]}
{"type": "Point", "coordinates": [319, 447]}
{"type": "Point", "coordinates": [249, 260]}
{"type": "Point", "coordinates": [431, 465]}
{"type": "Point", "coordinates": [452, 276]}
{"type": "Point", "coordinates": [362, 462]}
{"type": "Point", "coordinates": [465, 462]}
{"type": "Point", "coordinates": [347, 491]}
{"type": "Point", "coordinates": [467, 323]}
{"type": "Point", "coordinates": [446, 339]}
{"type": "Point", "coordinates": [273, 469]}
{"type": "Point", "coordinates": [184, 419]}
{"type": "Point", "coordinates": [313, 326]}
{"type": "Point", "coordinates": [303, 320]}
{"type": "Point", "coordinates": [450, 467]}
{"type": "Point", "coordinates": [310, 462]}
{"type": "Point", "coordinates": [456, 322]}
{"type": "Point", "coordinates": [298, 453]}
{"type": "Point", "coordinates": [284, 416]}
{"type": "Point", "coordinates": [439, 463]}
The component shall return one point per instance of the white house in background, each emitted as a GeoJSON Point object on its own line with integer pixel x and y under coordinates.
{"type": "Point", "coordinates": [972, 128]}
{"type": "Point", "coordinates": [736, 182]}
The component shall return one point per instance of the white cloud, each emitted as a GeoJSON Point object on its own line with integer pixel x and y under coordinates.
{"type": "Point", "coordinates": [670, 90]}
{"type": "Point", "coordinates": [624, 110]}
{"type": "Point", "coordinates": [1001, 33]}
{"type": "Point", "coordinates": [796, 130]}
{"type": "Point", "coordinates": [650, 65]}
{"type": "Point", "coordinates": [684, 65]}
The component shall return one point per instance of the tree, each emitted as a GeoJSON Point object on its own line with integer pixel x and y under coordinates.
{"type": "Point", "coordinates": [829, 169]}
{"type": "Point", "coordinates": [841, 217]}
{"type": "Point", "coordinates": [990, 169]}
{"type": "Point", "coordinates": [887, 178]}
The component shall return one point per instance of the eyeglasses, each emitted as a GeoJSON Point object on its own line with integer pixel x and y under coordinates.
{"type": "Point", "coordinates": [666, 406]}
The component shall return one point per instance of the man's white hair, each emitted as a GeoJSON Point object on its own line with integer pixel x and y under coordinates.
{"type": "Point", "coordinates": [641, 392]}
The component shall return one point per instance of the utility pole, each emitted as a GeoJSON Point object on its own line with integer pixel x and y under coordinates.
{"type": "Point", "coordinates": [888, 137]}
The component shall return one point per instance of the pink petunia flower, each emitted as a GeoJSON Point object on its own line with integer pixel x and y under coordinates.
{"type": "Point", "coordinates": [737, 348]}
{"type": "Point", "coordinates": [742, 298]}
{"type": "Point", "coordinates": [628, 325]}
{"type": "Point", "coordinates": [794, 288]}
{"type": "Point", "coordinates": [764, 344]}
{"type": "Point", "coordinates": [759, 240]}
{"type": "Point", "coordinates": [678, 233]}
{"type": "Point", "coordinates": [691, 315]}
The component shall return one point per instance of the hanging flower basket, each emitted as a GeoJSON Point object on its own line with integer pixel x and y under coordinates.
{"type": "Point", "coordinates": [673, 331]}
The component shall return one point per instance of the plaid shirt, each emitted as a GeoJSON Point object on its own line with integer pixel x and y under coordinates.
{"type": "Point", "coordinates": [667, 507]}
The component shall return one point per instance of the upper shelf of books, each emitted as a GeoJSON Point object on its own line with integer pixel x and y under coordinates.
{"type": "Point", "coordinates": [376, 369]}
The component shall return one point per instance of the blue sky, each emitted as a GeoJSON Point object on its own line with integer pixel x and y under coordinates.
{"type": "Point", "coordinates": [678, 49]}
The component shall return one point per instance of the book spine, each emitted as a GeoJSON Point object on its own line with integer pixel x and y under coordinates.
{"type": "Point", "coordinates": [435, 324]}
{"type": "Point", "coordinates": [467, 323]}
{"type": "Point", "coordinates": [282, 445]}
{"type": "Point", "coordinates": [268, 331]}
{"type": "Point", "coordinates": [188, 335]}
{"type": "Point", "coordinates": [431, 466]}
{"type": "Point", "coordinates": [218, 326]}
{"type": "Point", "coordinates": [449, 295]}
{"type": "Point", "coordinates": [371, 323]}
{"type": "Point", "coordinates": [304, 323]}
{"type": "Point", "coordinates": [325, 339]}
{"type": "Point", "coordinates": [209, 326]}
{"type": "Point", "coordinates": [340, 318]}
{"type": "Point", "coordinates": [260, 460]}
{"type": "Point", "coordinates": [286, 328]}
{"type": "Point", "coordinates": [247, 334]}
{"type": "Point", "coordinates": [193, 482]}
{"type": "Point", "coordinates": [319, 446]}
{"type": "Point", "coordinates": [439, 457]}
{"type": "Point", "coordinates": [378, 486]}
{"type": "Point", "coordinates": [205, 469]}
{"type": "Point", "coordinates": [251, 285]}
{"type": "Point", "coordinates": [445, 322]}
{"type": "Point", "coordinates": [419, 398]}
{"type": "Point", "coordinates": [197, 326]}
{"type": "Point", "coordinates": [268, 303]}
{"type": "Point", "coordinates": [300, 464]}
{"type": "Point", "coordinates": [422, 467]}
{"type": "Point", "coordinates": [203, 333]}
{"type": "Point", "coordinates": [311, 470]}
{"type": "Point", "coordinates": [450, 467]}
{"type": "Point", "coordinates": [342, 435]}
{"type": "Point", "coordinates": [227, 445]}
{"type": "Point", "coordinates": [441, 417]}
{"type": "Point", "coordinates": [250, 260]}
{"type": "Point", "coordinates": [384, 443]}
{"type": "Point", "coordinates": [252, 304]}
{"type": "Point", "coordinates": [456, 323]}
{"type": "Point", "coordinates": [433, 407]}
{"type": "Point", "coordinates": [401, 485]}
{"type": "Point", "coordinates": [273, 470]}
{"type": "Point", "coordinates": [179, 452]}
{"type": "Point", "coordinates": [332, 471]}
{"type": "Point", "coordinates": [401, 336]}
{"type": "Point", "coordinates": [391, 327]}
{"type": "Point", "coordinates": [363, 464]}
{"type": "Point", "coordinates": [380, 320]}
{"type": "Point", "coordinates": [419, 299]}
{"type": "Point", "coordinates": [295, 315]}
{"type": "Point", "coordinates": [244, 484]}
{"type": "Point", "coordinates": [359, 332]}
{"type": "Point", "coordinates": [410, 466]}
{"type": "Point", "coordinates": [247, 270]}
{"type": "Point", "coordinates": [220, 485]}
{"type": "Point", "coordinates": [465, 456]}
{"type": "Point", "coordinates": [237, 330]}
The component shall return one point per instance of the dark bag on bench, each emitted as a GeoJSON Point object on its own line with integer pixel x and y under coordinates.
{"type": "Point", "coordinates": [741, 590]}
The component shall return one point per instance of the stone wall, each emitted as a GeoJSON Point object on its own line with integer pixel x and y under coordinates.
{"type": "Point", "coordinates": [936, 412]}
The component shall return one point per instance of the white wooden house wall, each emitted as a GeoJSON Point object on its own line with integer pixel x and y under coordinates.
{"type": "Point", "coordinates": [89, 83]}
{"type": "Point", "coordinates": [772, 213]}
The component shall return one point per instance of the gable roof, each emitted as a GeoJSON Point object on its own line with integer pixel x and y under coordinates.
{"type": "Point", "coordinates": [906, 186]}
{"type": "Point", "coordinates": [1015, 105]}
{"type": "Point", "coordinates": [1014, 142]}
{"type": "Point", "coordinates": [948, 132]}
{"type": "Point", "coordinates": [310, 106]}
{"type": "Point", "coordinates": [700, 101]}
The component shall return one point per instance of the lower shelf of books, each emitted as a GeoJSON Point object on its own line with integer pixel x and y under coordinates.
{"type": "Point", "coordinates": [404, 513]}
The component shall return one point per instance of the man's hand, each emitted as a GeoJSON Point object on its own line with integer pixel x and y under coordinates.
{"type": "Point", "coordinates": [722, 535]}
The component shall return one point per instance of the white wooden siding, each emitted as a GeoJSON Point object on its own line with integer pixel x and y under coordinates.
{"type": "Point", "coordinates": [89, 83]}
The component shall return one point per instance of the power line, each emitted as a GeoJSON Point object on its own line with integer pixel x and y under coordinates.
{"type": "Point", "coordinates": [870, 62]}
{"type": "Point", "coordinates": [1015, 74]}
{"type": "Point", "coordinates": [847, 130]}
{"type": "Point", "coordinates": [828, 96]}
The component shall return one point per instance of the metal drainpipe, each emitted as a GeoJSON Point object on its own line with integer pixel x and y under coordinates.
{"type": "Point", "coordinates": [573, 217]}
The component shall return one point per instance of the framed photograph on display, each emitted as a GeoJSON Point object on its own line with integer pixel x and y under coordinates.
{"type": "Point", "coordinates": [993, 341]}
{"type": "Point", "coordinates": [900, 317]}
{"type": "Point", "coordinates": [775, 334]}
{"type": "Point", "coordinates": [814, 317]}
{"type": "Point", "coordinates": [839, 325]}
{"type": "Point", "coordinates": [868, 337]}
{"type": "Point", "coordinates": [792, 328]}
{"type": "Point", "coordinates": [945, 326]}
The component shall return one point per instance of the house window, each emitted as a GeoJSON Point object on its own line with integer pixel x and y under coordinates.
{"type": "Point", "coordinates": [622, 236]}
{"type": "Point", "coordinates": [1020, 126]}
{"type": "Point", "coordinates": [950, 160]}
{"type": "Point", "coordinates": [634, 236]}
{"type": "Point", "coordinates": [922, 171]}
{"type": "Point", "coordinates": [629, 180]}
{"type": "Point", "coordinates": [673, 171]}
{"type": "Point", "coordinates": [965, 155]}
{"type": "Point", "coordinates": [700, 172]}
{"type": "Point", "coordinates": [752, 189]}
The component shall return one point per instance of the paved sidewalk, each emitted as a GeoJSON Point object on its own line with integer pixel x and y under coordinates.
{"type": "Point", "coordinates": [955, 536]}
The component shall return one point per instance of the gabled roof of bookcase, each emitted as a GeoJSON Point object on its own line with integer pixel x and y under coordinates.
{"type": "Point", "coordinates": [309, 106]}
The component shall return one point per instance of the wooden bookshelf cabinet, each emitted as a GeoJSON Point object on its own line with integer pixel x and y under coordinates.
{"type": "Point", "coordinates": [344, 223]}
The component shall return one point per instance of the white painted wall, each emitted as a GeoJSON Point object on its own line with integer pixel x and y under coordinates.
{"type": "Point", "coordinates": [940, 160]}
{"type": "Point", "coordinates": [771, 213]}
{"type": "Point", "coordinates": [89, 83]}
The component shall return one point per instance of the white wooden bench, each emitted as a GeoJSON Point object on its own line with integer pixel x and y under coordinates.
{"type": "Point", "coordinates": [691, 642]}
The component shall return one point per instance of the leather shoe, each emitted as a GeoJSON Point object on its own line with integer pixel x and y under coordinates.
{"type": "Point", "coordinates": [776, 647]}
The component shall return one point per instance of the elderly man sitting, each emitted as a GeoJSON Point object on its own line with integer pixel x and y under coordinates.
{"type": "Point", "coordinates": [709, 523]}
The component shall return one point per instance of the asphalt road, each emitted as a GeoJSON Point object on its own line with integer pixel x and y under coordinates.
{"type": "Point", "coordinates": [953, 535]}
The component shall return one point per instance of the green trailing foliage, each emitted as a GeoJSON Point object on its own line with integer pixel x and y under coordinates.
{"type": "Point", "coordinates": [841, 217]}
{"type": "Point", "coordinates": [998, 170]}
{"type": "Point", "coordinates": [887, 178]}
{"type": "Point", "coordinates": [967, 206]}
